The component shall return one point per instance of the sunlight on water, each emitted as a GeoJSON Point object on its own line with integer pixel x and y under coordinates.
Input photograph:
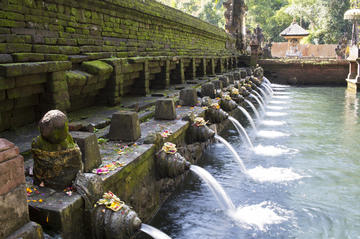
{"type": "Point", "coordinates": [272, 150]}
{"type": "Point", "coordinates": [259, 216]}
{"type": "Point", "coordinates": [272, 123]}
{"type": "Point", "coordinates": [273, 174]}
{"type": "Point", "coordinates": [271, 134]}
{"type": "Point", "coordinates": [275, 114]}
{"type": "Point", "coordinates": [274, 107]}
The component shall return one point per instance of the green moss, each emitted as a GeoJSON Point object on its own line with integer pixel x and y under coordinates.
{"type": "Point", "coordinates": [97, 67]}
{"type": "Point", "coordinates": [40, 143]}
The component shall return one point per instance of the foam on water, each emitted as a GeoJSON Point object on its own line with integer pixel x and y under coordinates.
{"type": "Point", "coordinates": [275, 114]}
{"type": "Point", "coordinates": [272, 150]}
{"type": "Point", "coordinates": [271, 134]}
{"type": "Point", "coordinates": [281, 97]}
{"type": "Point", "coordinates": [273, 174]}
{"type": "Point", "coordinates": [279, 86]}
{"type": "Point", "coordinates": [277, 102]}
{"type": "Point", "coordinates": [259, 216]}
{"type": "Point", "coordinates": [281, 93]}
{"type": "Point", "coordinates": [273, 123]}
{"type": "Point", "coordinates": [274, 107]}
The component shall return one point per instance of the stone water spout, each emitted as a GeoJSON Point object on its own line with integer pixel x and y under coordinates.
{"type": "Point", "coordinates": [199, 132]}
{"type": "Point", "coordinates": [110, 218]}
{"type": "Point", "coordinates": [227, 104]}
{"type": "Point", "coordinates": [170, 163]}
{"type": "Point", "coordinates": [214, 114]}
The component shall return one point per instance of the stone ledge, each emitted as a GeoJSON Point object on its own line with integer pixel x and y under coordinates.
{"type": "Point", "coordinates": [19, 69]}
{"type": "Point", "coordinates": [30, 230]}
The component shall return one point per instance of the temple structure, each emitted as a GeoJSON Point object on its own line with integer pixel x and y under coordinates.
{"type": "Point", "coordinates": [294, 33]}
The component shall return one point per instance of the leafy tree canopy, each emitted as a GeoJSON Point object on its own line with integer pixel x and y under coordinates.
{"type": "Point", "coordinates": [324, 19]}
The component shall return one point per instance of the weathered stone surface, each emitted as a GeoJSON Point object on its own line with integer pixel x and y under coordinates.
{"type": "Point", "coordinates": [57, 159]}
{"type": "Point", "coordinates": [208, 89]}
{"type": "Point", "coordinates": [171, 165]}
{"type": "Point", "coordinates": [188, 97]}
{"type": "Point", "coordinates": [19, 69]}
{"type": "Point", "coordinates": [60, 213]}
{"type": "Point", "coordinates": [5, 58]}
{"type": "Point", "coordinates": [30, 230]}
{"type": "Point", "coordinates": [125, 126]}
{"type": "Point", "coordinates": [165, 109]}
{"type": "Point", "coordinates": [97, 67]}
{"type": "Point", "coordinates": [53, 126]}
{"type": "Point", "coordinates": [14, 210]}
{"type": "Point", "coordinates": [11, 174]}
{"type": "Point", "coordinates": [224, 80]}
{"type": "Point", "coordinates": [218, 84]}
{"type": "Point", "coordinates": [89, 148]}
{"type": "Point", "coordinates": [243, 73]}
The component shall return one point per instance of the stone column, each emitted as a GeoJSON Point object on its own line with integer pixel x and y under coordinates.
{"type": "Point", "coordinates": [14, 215]}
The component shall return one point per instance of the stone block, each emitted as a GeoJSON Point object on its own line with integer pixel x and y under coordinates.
{"type": "Point", "coordinates": [60, 213]}
{"type": "Point", "coordinates": [125, 126]}
{"type": "Point", "coordinates": [6, 83]}
{"type": "Point", "coordinates": [14, 210]}
{"type": "Point", "coordinates": [30, 80]}
{"type": "Point", "coordinates": [27, 68]}
{"type": "Point", "coordinates": [165, 109]}
{"type": "Point", "coordinates": [11, 174]}
{"type": "Point", "coordinates": [25, 57]}
{"type": "Point", "coordinates": [7, 152]}
{"type": "Point", "coordinates": [5, 58]}
{"type": "Point", "coordinates": [30, 230]}
{"type": "Point", "coordinates": [89, 147]}
{"type": "Point", "coordinates": [97, 67]}
{"type": "Point", "coordinates": [188, 97]}
{"type": "Point", "coordinates": [25, 91]}
{"type": "Point", "coordinates": [208, 89]}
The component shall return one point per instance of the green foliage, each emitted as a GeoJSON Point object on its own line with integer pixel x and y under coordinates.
{"type": "Point", "coordinates": [322, 18]}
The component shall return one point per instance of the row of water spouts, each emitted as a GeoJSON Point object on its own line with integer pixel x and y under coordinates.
{"type": "Point", "coordinates": [224, 200]}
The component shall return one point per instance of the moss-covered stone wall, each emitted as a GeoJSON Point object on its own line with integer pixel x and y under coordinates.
{"type": "Point", "coordinates": [72, 54]}
{"type": "Point", "coordinates": [122, 27]}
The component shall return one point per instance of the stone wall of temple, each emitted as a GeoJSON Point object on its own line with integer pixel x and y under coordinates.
{"type": "Point", "coordinates": [72, 54]}
{"type": "Point", "coordinates": [306, 72]}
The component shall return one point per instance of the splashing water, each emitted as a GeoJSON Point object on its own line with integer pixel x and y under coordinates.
{"type": "Point", "coordinates": [235, 154]}
{"type": "Point", "coordinates": [223, 199]}
{"type": "Point", "coordinates": [259, 102]}
{"type": "Point", "coordinates": [266, 80]}
{"type": "Point", "coordinates": [267, 89]}
{"type": "Point", "coordinates": [273, 174]}
{"type": "Point", "coordinates": [271, 134]}
{"type": "Point", "coordinates": [276, 114]}
{"type": "Point", "coordinates": [153, 232]}
{"type": "Point", "coordinates": [248, 116]}
{"type": "Point", "coordinates": [273, 123]}
{"type": "Point", "coordinates": [253, 108]}
{"type": "Point", "coordinates": [260, 215]}
{"type": "Point", "coordinates": [277, 102]}
{"type": "Point", "coordinates": [280, 86]}
{"type": "Point", "coordinates": [281, 97]}
{"type": "Point", "coordinates": [241, 130]}
{"type": "Point", "coordinates": [264, 94]}
{"type": "Point", "coordinates": [281, 93]}
{"type": "Point", "coordinates": [274, 107]}
{"type": "Point", "coordinates": [260, 97]}
{"type": "Point", "coordinates": [272, 150]}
